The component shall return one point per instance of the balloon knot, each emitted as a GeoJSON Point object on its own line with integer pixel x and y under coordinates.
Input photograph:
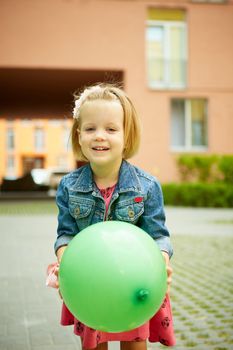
{"type": "Point", "coordinates": [142, 294]}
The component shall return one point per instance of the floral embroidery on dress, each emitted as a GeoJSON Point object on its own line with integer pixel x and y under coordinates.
{"type": "Point", "coordinates": [79, 327]}
{"type": "Point", "coordinates": [163, 341]}
{"type": "Point", "coordinates": [165, 322]}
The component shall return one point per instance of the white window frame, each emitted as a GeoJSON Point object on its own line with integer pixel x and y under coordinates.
{"type": "Point", "coordinates": [188, 147]}
{"type": "Point", "coordinates": [10, 139]}
{"type": "Point", "coordinates": [166, 84]}
{"type": "Point", "coordinates": [10, 166]}
{"type": "Point", "coordinates": [39, 141]}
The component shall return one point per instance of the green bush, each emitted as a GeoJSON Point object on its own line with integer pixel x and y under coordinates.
{"type": "Point", "coordinates": [198, 194]}
{"type": "Point", "coordinates": [225, 166]}
{"type": "Point", "coordinates": [205, 168]}
{"type": "Point", "coordinates": [207, 182]}
{"type": "Point", "coordinates": [197, 168]}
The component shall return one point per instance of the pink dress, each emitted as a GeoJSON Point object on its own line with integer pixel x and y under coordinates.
{"type": "Point", "coordinates": [158, 329]}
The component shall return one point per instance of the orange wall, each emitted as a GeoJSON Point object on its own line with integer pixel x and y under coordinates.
{"type": "Point", "coordinates": [24, 144]}
{"type": "Point", "coordinates": [102, 34]}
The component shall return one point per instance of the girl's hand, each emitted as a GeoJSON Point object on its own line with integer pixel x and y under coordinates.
{"type": "Point", "coordinates": [52, 275]}
{"type": "Point", "coordinates": [59, 253]}
{"type": "Point", "coordinates": [53, 271]}
{"type": "Point", "coordinates": [169, 270]}
{"type": "Point", "coordinates": [57, 283]}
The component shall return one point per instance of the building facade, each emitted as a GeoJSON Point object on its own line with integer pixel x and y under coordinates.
{"type": "Point", "coordinates": [174, 59]}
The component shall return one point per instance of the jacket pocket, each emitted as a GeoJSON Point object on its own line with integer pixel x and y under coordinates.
{"type": "Point", "coordinates": [79, 207]}
{"type": "Point", "coordinates": [129, 211]}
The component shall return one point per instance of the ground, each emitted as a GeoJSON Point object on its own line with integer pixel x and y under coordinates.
{"type": "Point", "coordinates": [202, 291]}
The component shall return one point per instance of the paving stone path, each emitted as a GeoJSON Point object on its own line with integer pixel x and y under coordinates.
{"type": "Point", "coordinates": [202, 290]}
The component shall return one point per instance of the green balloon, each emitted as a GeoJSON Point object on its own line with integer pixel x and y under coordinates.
{"type": "Point", "coordinates": [113, 276]}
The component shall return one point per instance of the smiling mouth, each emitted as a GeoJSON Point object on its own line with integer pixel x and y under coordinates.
{"type": "Point", "coordinates": [99, 148]}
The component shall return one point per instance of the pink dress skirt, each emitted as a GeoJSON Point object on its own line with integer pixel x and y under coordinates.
{"type": "Point", "coordinates": [158, 329]}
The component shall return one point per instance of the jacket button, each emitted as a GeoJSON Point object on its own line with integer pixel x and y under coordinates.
{"type": "Point", "coordinates": [77, 211]}
{"type": "Point", "coordinates": [131, 213]}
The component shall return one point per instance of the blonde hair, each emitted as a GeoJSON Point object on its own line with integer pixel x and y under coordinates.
{"type": "Point", "coordinates": [131, 123]}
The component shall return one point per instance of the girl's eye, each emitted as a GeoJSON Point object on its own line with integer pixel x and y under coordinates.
{"type": "Point", "coordinates": [111, 129]}
{"type": "Point", "coordinates": [89, 129]}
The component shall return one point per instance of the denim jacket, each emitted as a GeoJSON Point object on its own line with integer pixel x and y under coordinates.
{"type": "Point", "coordinates": [137, 199]}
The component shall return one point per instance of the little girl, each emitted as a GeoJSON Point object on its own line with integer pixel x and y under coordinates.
{"type": "Point", "coordinates": [105, 133]}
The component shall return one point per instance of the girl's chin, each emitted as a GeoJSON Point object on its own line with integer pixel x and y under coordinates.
{"type": "Point", "coordinates": [103, 161]}
{"type": "Point", "coordinates": [100, 161]}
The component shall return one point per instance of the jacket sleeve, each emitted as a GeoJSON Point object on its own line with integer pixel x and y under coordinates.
{"type": "Point", "coordinates": [153, 219]}
{"type": "Point", "coordinates": [67, 227]}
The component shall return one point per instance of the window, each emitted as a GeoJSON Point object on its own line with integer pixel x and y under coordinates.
{"type": "Point", "coordinates": [189, 124]}
{"type": "Point", "coordinates": [10, 166]}
{"type": "Point", "coordinates": [166, 49]}
{"type": "Point", "coordinates": [10, 139]}
{"type": "Point", "coordinates": [39, 139]}
{"type": "Point", "coordinates": [211, 1]}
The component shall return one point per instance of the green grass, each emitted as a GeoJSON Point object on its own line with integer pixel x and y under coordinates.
{"type": "Point", "coordinates": [26, 207]}
{"type": "Point", "coordinates": [226, 222]}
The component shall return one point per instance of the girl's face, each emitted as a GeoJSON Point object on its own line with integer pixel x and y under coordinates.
{"type": "Point", "coordinates": [101, 134]}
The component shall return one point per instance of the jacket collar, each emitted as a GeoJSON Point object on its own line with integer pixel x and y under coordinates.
{"type": "Point", "coordinates": [128, 179]}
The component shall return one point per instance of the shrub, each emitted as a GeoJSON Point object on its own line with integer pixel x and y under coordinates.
{"type": "Point", "coordinates": [197, 168]}
{"type": "Point", "coordinates": [225, 166]}
{"type": "Point", "coordinates": [207, 182]}
{"type": "Point", "coordinates": [198, 194]}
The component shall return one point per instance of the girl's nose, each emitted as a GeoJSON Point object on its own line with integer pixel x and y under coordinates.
{"type": "Point", "coordinates": [100, 135]}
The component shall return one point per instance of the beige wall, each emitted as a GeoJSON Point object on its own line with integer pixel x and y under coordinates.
{"type": "Point", "coordinates": [110, 35]}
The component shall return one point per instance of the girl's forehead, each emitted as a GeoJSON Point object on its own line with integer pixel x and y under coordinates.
{"type": "Point", "coordinates": [101, 109]}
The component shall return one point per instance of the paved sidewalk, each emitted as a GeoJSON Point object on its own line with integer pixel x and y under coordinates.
{"type": "Point", "coordinates": [30, 312]}
{"type": "Point", "coordinates": [199, 221]}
